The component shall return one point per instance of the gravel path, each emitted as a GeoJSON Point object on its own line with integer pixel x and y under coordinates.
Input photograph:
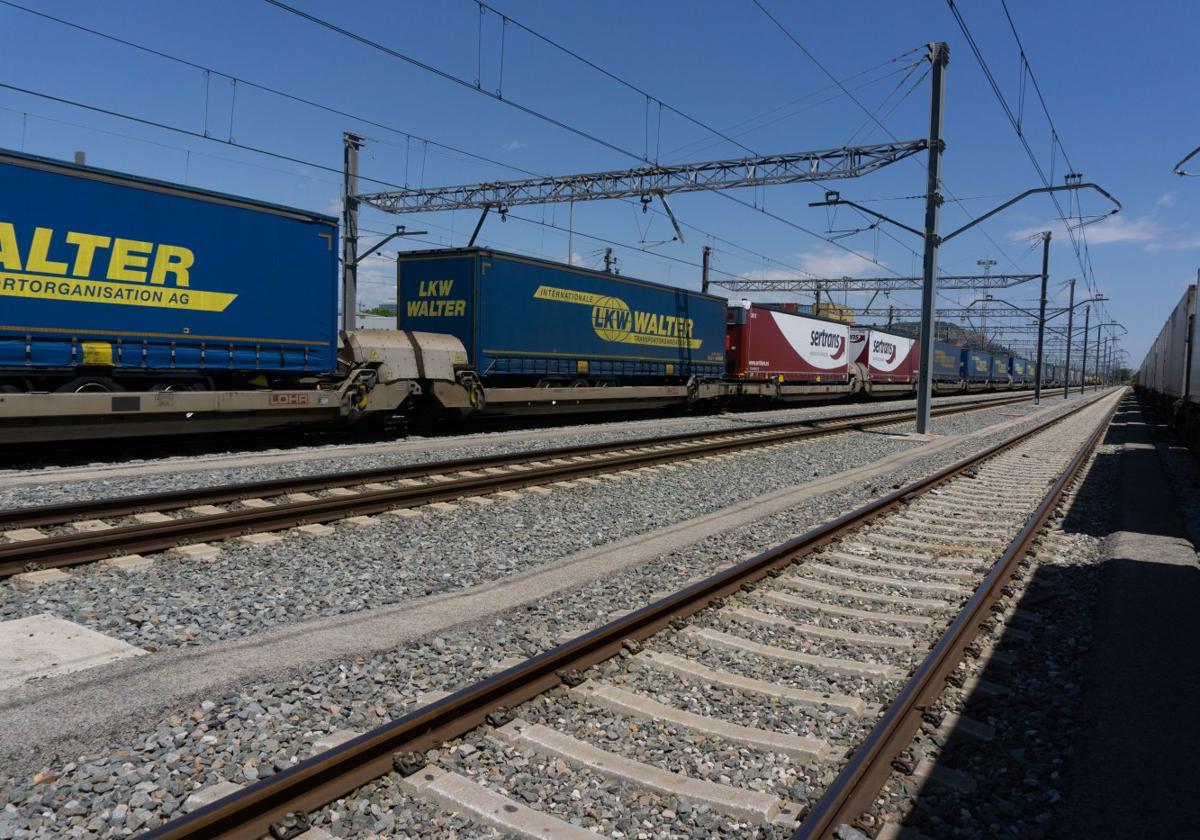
{"type": "Point", "coordinates": [267, 726]}
{"type": "Point", "coordinates": [29, 487]}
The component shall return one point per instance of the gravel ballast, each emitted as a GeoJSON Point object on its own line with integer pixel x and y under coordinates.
{"type": "Point", "coordinates": [30, 487]}
{"type": "Point", "coordinates": [250, 588]}
{"type": "Point", "coordinates": [265, 726]}
{"type": "Point", "coordinates": [1017, 773]}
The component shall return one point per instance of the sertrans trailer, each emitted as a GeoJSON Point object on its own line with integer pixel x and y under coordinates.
{"type": "Point", "coordinates": [765, 343]}
{"type": "Point", "coordinates": [889, 361]}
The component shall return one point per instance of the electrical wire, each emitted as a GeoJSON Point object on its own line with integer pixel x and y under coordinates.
{"type": "Point", "coordinates": [361, 39]}
{"type": "Point", "coordinates": [241, 80]}
{"type": "Point", "coordinates": [779, 25]}
{"type": "Point", "coordinates": [1082, 253]}
{"type": "Point", "coordinates": [613, 76]}
{"type": "Point", "coordinates": [450, 77]}
{"type": "Point", "coordinates": [408, 135]}
{"type": "Point", "coordinates": [74, 103]}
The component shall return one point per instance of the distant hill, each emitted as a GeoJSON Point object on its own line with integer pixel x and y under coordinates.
{"type": "Point", "coordinates": [948, 331]}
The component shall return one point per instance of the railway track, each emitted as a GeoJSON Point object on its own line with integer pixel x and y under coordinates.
{"type": "Point", "coordinates": [96, 530]}
{"type": "Point", "coordinates": [819, 654]}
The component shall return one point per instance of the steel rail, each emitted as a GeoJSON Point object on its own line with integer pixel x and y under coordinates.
{"type": "Point", "coordinates": [317, 781]}
{"type": "Point", "coordinates": [57, 514]}
{"type": "Point", "coordinates": [856, 786]}
{"type": "Point", "coordinates": [89, 546]}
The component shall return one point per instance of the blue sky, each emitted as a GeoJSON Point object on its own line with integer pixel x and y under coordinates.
{"type": "Point", "coordinates": [1118, 82]}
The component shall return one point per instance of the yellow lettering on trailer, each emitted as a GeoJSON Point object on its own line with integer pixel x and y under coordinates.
{"type": "Point", "coordinates": [442, 306]}
{"type": "Point", "coordinates": [129, 261]}
{"type": "Point", "coordinates": [38, 250]}
{"type": "Point", "coordinates": [128, 255]}
{"type": "Point", "coordinates": [172, 259]}
{"type": "Point", "coordinates": [85, 250]}
{"type": "Point", "coordinates": [10, 257]}
{"type": "Point", "coordinates": [612, 320]}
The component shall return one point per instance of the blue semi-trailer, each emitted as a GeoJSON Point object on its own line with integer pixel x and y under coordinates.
{"type": "Point", "coordinates": [1020, 370]}
{"type": "Point", "coordinates": [109, 282]}
{"type": "Point", "coordinates": [946, 362]}
{"type": "Point", "coordinates": [999, 373]}
{"type": "Point", "coordinates": [531, 322]}
{"type": "Point", "coordinates": [976, 365]}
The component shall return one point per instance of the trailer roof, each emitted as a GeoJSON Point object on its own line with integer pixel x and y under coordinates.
{"type": "Point", "coordinates": [560, 266]}
{"type": "Point", "coordinates": [136, 181]}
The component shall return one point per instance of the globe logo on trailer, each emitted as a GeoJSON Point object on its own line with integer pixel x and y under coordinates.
{"type": "Point", "coordinates": [611, 318]}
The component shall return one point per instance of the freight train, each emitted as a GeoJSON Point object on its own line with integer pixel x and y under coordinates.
{"type": "Point", "coordinates": [134, 306]}
{"type": "Point", "coordinates": [1166, 379]}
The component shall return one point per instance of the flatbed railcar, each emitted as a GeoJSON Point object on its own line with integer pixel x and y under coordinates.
{"type": "Point", "coordinates": [134, 306]}
{"type": "Point", "coordinates": [140, 307]}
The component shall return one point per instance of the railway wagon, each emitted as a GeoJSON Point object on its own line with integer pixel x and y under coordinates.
{"type": "Point", "coordinates": [113, 282]}
{"type": "Point", "coordinates": [765, 343]}
{"type": "Point", "coordinates": [1166, 378]}
{"type": "Point", "coordinates": [526, 321]}
{"type": "Point", "coordinates": [946, 364]}
{"type": "Point", "coordinates": [946, 373]}
{"type": "Point", "coordinates": [975, 367]}
{"type": "Point", "coordinates": [999, 375]}
{"type": "Point", "coordinates": [888, 360]}
{"type": "Point", "coordinates": [1020, 370]}
{"type": "Point", "coordinates": [1168, 366]}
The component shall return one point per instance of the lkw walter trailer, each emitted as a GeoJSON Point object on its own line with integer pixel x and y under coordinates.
{"type": "Point", "coordinates": [133, 306]}
{"type": "Point", "coordinates": [543, 334]}
{"type": "Point", "coordinates": [111, 282]}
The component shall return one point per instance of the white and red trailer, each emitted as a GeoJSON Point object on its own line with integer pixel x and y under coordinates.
{"type": "Point", "coordinates": [763, 343]}
{"type": "Point", "coordinates": [890, 361]}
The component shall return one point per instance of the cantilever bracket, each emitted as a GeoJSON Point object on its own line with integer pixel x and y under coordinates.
{"type": "Point", "coordinates": [662, 196]}
{"type": "Point", "coordinates": [1026, 194]}
{"type": "Point", "coordinates": [400, 231]}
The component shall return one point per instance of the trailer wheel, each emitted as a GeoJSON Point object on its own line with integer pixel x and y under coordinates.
{"type": "Point", "coordinates": [89, 385]}
{"type": "Point", "coordinates": [580, 383]}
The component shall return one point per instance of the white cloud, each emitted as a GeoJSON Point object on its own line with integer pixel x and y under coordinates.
{"type": "Point", "coordinates": [1166, 200]}
{"type": "Point", "coordinates": [514, 144]}
{"type": "Point", "coordinates": [578, 259]}
{"type": "Point", "coordinates": [376, 281]}
{"type": "Point", "coordinates": [822, 263]}
{"type": "Point", "coordinates": [1108, 231]}
{"type": "Point", "coordinates": [829, 262]}
{"type": "Point", "coordinates": [1183, 243]}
